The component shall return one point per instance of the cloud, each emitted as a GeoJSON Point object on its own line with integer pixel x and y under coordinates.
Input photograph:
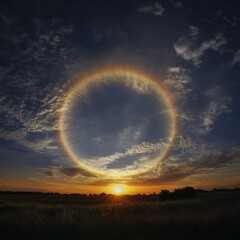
{"type": "Point", "coordinates": [199, 119]}
{"type": "Point", "coordinates": [32, 96]}
{"type": "Point", "coordinates": [189, 52]}
{"type": "Point", "coordinates": [111, 34]}
{"type": "Point", "coordinates": [226, 18]}
{"type": "Point", "coordinates": [141, 149]}
{"type": "Point", "coordinates": [174, 69]}
{"type": "Point", "coordinates": [202, 159]}
{"type": "Point", "coordinates": [172, 174]}
{"type": "Point", "coordinates": [206, 163]}
{"type": "Point", "coordinates": [201, 156]}
{"type": "Point", "coordinates": [155, 9]}
{"type": "Point", "coordinates": [69, 172]}
{"type": "Point", "coordinates": [36, 143]}
{"type": "Point", "coordinates": [236, 59]}
{"type": "Point", "coordinates": [178, 82]}
{"type": "Point", "coordinates": [72, 172]}
{"type": "Point", "coordinates": [217, 105]}
{"type": "Point", "coordinates": [193, 31]}
{"type": "Point", "coordinates": [49, 173]}
{"type": "Point", "coordinates": [216, 159]}
{"type": "Point", "coordinates": [188, 158]}
{"type": "Point", "coordinates": [197, 110]}
{"type": "Point", "coordinates": [177, 4]}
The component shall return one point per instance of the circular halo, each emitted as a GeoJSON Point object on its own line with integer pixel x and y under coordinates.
{"type": "Point", "coordinates": [134, 79]}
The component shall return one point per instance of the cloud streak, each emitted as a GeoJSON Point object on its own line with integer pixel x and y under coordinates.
{"type": "Point", "coordinates": [204, 162]}
{"type": "Point", "coordinates": [186, 49]}
{"type": "Point", "coordinates": [32, 110]}
{"type": "Point", "coordinates": [155, 9]}
{"type": "Point", "coordinates": [236, 59]}
{"type": "Point", "coordinates": [218, 104]}
{"type": "Point", "coordinates": [142, 152]}
{"type": "Point", "coordinates": [194, 117]}
{"type": "Point", "coordinates": [67, 172]}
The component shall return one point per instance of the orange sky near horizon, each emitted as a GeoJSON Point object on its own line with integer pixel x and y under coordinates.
{"type": "Point", "coordinates": [196, 181]}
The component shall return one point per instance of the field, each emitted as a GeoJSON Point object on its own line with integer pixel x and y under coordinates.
{"type": "Point", "coordinates": [211, 215]}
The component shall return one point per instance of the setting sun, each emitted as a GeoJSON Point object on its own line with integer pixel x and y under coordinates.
{"type": "Point", "coordinates": [118, 190]}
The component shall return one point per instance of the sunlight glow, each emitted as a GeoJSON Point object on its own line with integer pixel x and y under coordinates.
{"type": "Point", "coordinates": [118, 190]}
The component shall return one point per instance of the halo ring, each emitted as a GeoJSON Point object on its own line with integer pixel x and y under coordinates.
{"type": "Point", "coordinates": [98, 75]}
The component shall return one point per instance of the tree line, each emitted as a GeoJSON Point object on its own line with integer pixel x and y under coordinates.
{"type": "Point", "coordinates": [164, 194]}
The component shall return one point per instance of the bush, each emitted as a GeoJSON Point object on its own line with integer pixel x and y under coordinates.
{"type": "Point", "coordinates": [180, 193]}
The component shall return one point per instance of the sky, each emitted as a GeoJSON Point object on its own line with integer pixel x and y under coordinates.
{"type": "Point", "coordinates": [138, 94]}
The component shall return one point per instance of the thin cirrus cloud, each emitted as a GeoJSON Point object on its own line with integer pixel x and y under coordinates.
{"type": "Point", "coordinates": [143, 149]}
{"type": "Point", "coordinates": [202, 160]}
{"type": "Point", "coordinates": [199, 118]}
{"type": "Point", "coordinates": [178, 82]}
{"type": "Point", "coordinates": [194, 31]}
{"type": "Point", "coordinates": [140, 149]}
{"type": "Point", "coordinates": [32, 110]}
{"type": "Point", "coordinates": [190, 52]}
{"type": "Point", "coordinates": [235, 59]}
{"type": "Point", "coordinates": [217, 105]}
{"type": "Point", "coordinates": [189, 158]}
{"type": "Point", "coordinates": [206, 165]}
{"type": "Point", "coordinates": [155, 9]}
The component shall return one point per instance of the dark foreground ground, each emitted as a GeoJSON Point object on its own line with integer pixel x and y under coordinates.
{"type": "Point", "coordinates": [214, 215]}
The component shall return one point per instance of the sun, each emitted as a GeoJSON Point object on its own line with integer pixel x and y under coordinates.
{"type": "Point", "coordinates": [118, 190]}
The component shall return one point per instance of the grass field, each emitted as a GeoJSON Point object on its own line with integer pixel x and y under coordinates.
{"type": "Point", "coordinates": [209, 216]}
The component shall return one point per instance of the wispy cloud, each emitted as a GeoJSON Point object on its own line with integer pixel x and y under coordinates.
{"type": "Point", "coordinates": [111, 33]}
{"type": "Point", "coordinates": [140, 149]}
{"type": "Point", "coordinates": [236, 59]}
{"type": "Point", "coordinates": [217, 104]}
{"type": "Point", "coordinates": [199, 119]}
{"type": "Point", "coordinates": [32, 109]}
{"type": "Point", "coordinates": [155, 9]}
{"type": "Point", "coordinates": [193, 159]}
{"type": "Point", "coordinates": [71, 172]}
{"type": "Point", "coordinates": [67, 174]}
{"type": "Point", "coordinates": [188, 158]}
{"type": "Point", "coordinates": [193, 31]}
{"type": "Point", "coordinates": [49, 173]}
{"type": "Point", "coordinates": [207, 163]}
{"type": "Point", "coordinates": [190, 52]}
{"type": "Point", "coordinates": [177, 4]}
{"type": "Point", "coordinates": [178, 82]}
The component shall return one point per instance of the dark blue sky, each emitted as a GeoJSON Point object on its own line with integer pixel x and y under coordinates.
{"type": "Point", "coordinates": [191, 48]}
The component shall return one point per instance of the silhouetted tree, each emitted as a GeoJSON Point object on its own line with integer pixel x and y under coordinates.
{"type": "Point", "coordinates": [103, 194]}
{"type": "Point", "coordinates": [164, 195]}
{"type": "Point", "coordinates": [184, 193]}
{"type": "Point", "coordinates": [179, 193]}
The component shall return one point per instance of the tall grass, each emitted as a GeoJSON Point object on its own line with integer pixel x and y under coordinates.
{"type": "Point", "coordinates": [120, 218]}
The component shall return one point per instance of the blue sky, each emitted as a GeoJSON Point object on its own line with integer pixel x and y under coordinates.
{"type": "Point", "coordinates": [191, 49]}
